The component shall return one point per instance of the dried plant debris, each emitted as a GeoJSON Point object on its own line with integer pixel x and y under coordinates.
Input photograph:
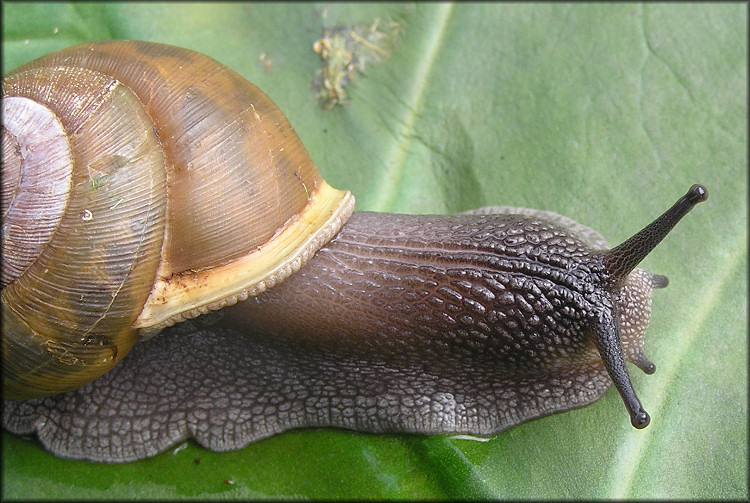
{"type": "Point", "coordinates": [266, 62]}
{"type": "Point", "coordinates": [346, 50]}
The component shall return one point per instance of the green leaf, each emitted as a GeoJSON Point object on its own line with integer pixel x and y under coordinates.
{"type": "Point", "coordinates": [604, 113]}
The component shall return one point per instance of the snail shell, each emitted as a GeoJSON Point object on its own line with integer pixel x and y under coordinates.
{"type": "Point", "coordinates": [129, 170]}
{"type": "Point", "coordinates": [466, 323]}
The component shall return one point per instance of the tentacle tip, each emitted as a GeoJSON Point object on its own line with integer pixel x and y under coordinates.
{"type": "Point", "coordinates": [659, 281]}
{"type": "Point", "coordinates": [644, 364]}
{"type": "Point", "coordinates": [640, 419]}
{"type": "Point", "coordinates": [697, 193]}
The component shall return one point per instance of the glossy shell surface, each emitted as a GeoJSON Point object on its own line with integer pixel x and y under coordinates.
{"type": "Point", "coordinates": [143, 184]}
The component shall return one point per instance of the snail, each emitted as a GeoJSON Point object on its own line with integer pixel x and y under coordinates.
{"type": "Point", "coordinates": [145, 185]}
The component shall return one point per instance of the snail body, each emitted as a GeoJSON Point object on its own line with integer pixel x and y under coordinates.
{"type": "Point", "coordinates": [467, 323]}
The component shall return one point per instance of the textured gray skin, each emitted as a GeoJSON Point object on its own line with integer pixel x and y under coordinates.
{"type": "Point", "coordinates": [480, 323]}
{"type": "Point", "coordinates": [268, 388]}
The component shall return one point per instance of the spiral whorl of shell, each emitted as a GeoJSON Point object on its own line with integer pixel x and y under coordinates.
{"type": "Point", "coordinates": [142, 184]}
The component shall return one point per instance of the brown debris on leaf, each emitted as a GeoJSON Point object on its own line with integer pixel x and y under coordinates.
{"type": "Point", "coordinates": [346, 50]}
